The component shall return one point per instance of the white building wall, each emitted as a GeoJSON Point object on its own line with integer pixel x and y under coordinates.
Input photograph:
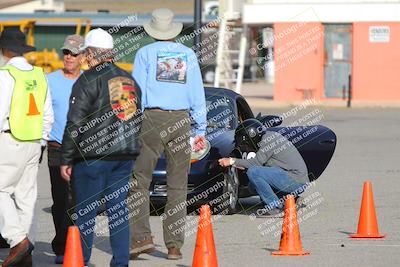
{"type": "Point", "coordinates": [318, 1]}
{"type": "Point", "coordinates": [30, 7]}
{"type": "Point", "coordinates": [333, 11]}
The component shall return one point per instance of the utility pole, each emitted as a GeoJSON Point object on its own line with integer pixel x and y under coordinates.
{"type": "Point", "coordinates": [197, 25]}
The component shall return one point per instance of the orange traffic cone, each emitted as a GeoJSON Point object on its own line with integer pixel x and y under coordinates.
{"type": "Point", "coordinates": [33, 110]}
{"type": "Point", "coordinates": [73, 256]}
{"type": "Point", "coordinates": [367, 223]}
{"type": "Point", "coordinates": [290, 239]}
{"type": "Point", "coordinates": [204, 253]}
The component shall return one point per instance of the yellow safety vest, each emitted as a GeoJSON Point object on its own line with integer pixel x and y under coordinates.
{"type": "Point", "coordinates": [27, 104]}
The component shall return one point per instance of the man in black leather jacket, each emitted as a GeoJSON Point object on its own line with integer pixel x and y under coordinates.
{"type": "Point", "coordinates": [100, 144]}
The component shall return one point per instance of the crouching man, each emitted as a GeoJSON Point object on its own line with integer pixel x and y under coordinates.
{"type": "Point", "coordinates": [277, 164]}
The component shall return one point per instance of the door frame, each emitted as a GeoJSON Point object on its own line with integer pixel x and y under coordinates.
{"type": "Point", "coordinates": [350, 61]}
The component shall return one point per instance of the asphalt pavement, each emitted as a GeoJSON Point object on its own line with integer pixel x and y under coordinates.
{"type": "Point", "coordinates": [367, 149]}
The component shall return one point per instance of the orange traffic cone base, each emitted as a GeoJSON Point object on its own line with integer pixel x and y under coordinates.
{"type": "Point", "coordinates": [290, 253]}
{"type": "Point", "coordinates": [290, 244]}
{"type": "Point", "coordinates": [364, 236]}
{"type": "Point", "coordinates": [367, 222]}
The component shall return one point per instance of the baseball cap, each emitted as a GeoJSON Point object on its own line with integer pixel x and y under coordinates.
{"type": "Point", "coordinates": [73, 43]}
{"type": "Point", "coordinates": [99, 38]}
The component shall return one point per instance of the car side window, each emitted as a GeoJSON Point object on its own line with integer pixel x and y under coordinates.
{"type": "Point", "coordinates": [220, 112]}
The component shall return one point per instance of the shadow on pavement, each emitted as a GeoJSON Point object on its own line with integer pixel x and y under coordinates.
{"type": "Point", "coordinates": [270, 249]}
{"type": "Point", "coordinates": [47, 210]}
{"type": "Point", "coordinates": [102, 243]}
{"type": "Point", "coordinates": [156, 254]}
{"type": "Point", "coordinates": [43, 255]}
{"type": "Point", "coordinates": [346, 233]}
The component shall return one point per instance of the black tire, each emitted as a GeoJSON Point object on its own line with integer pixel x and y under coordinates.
{"type": "Point", "coordinates": [231, 191]}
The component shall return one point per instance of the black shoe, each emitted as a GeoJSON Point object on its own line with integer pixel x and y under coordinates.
{"type": "Point", "coordinates": [59, 259]}
{"type": "Point", "coordinates": [300, 202]}
{"type": "Point", "coordinates": [26, 261]}
{"type": "Point", "coordinates": [3, 243]}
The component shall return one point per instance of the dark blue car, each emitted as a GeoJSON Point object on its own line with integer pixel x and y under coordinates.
{"type": "Point", "coordinates": [222, 187]}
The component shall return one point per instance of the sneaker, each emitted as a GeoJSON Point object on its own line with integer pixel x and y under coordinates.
{"type": "Point", "coordinates": [174, 254]}
{"type": "Point", "coordinates": [59, 259]}
{"type": "Point", "coordinates": [274, 213]}
{"type": "Point", "coordinates": [142, 246]}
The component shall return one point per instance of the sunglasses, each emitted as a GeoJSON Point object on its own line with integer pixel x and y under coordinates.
{"type": "Point", "coordinates": [67, 52]}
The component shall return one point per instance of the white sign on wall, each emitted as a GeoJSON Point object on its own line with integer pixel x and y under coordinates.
{"type": "Point", "coordinates": [379, 34]}
{"type": "Point", "coordinates": [337, 51]}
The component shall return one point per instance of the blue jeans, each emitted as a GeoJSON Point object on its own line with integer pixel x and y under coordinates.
{"type": "Point", "coordinates": [263, 179]}
{"type": "Point", "coordinates": [96, 182]}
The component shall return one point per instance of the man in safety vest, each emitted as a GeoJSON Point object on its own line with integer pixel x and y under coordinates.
{"type": "Point", "coordinates": [26, 117]}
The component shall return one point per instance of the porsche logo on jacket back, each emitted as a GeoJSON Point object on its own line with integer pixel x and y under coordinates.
{"type": "Point", "coordinates": [123, 97]}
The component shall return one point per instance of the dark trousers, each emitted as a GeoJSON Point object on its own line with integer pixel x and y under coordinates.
{"type": "Point", "coordinates": [166, 132]}
{"type": "Point", "coordinates": [3, 243]}
{"type": "Point", "coordinates": [60, 192]}
{"type": "Point", "coordinates": [96, 182]}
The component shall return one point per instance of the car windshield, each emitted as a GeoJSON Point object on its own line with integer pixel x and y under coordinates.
{"type": "Point", "coordinates": [220, 112]}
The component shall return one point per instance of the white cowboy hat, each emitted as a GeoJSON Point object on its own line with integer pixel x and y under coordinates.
{"type": "Point", "coordinates": [161, 26]}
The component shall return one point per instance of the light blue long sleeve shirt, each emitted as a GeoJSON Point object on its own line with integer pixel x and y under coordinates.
{"type": "Point", "coordinates": [169, 76]}
{"type": "Point", "coordinates": [60, 89]}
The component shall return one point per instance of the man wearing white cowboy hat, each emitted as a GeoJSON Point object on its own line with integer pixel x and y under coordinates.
{"type": "Point", "coordinates": [26, 117]}
{"type": "Point", "coordinates": [172, 98]}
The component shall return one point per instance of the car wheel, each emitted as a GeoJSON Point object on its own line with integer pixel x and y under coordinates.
{"type": "Point", "coordinates": [231, 191]}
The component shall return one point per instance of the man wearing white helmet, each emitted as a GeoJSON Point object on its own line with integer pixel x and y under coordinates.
{"type": "Point", "coordinates": [100, 144]}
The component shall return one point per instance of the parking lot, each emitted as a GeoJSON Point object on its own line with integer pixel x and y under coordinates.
{"type": "Point", "coordinates": [367, 149]}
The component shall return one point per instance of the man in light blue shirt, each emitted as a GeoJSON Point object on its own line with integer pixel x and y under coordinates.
{"type": "Point", "coordinates": [60, 84]}
{"type": "Point", "coordinates": [170, 75]}
{"type": "Point", "coordinates": [173, 99]}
